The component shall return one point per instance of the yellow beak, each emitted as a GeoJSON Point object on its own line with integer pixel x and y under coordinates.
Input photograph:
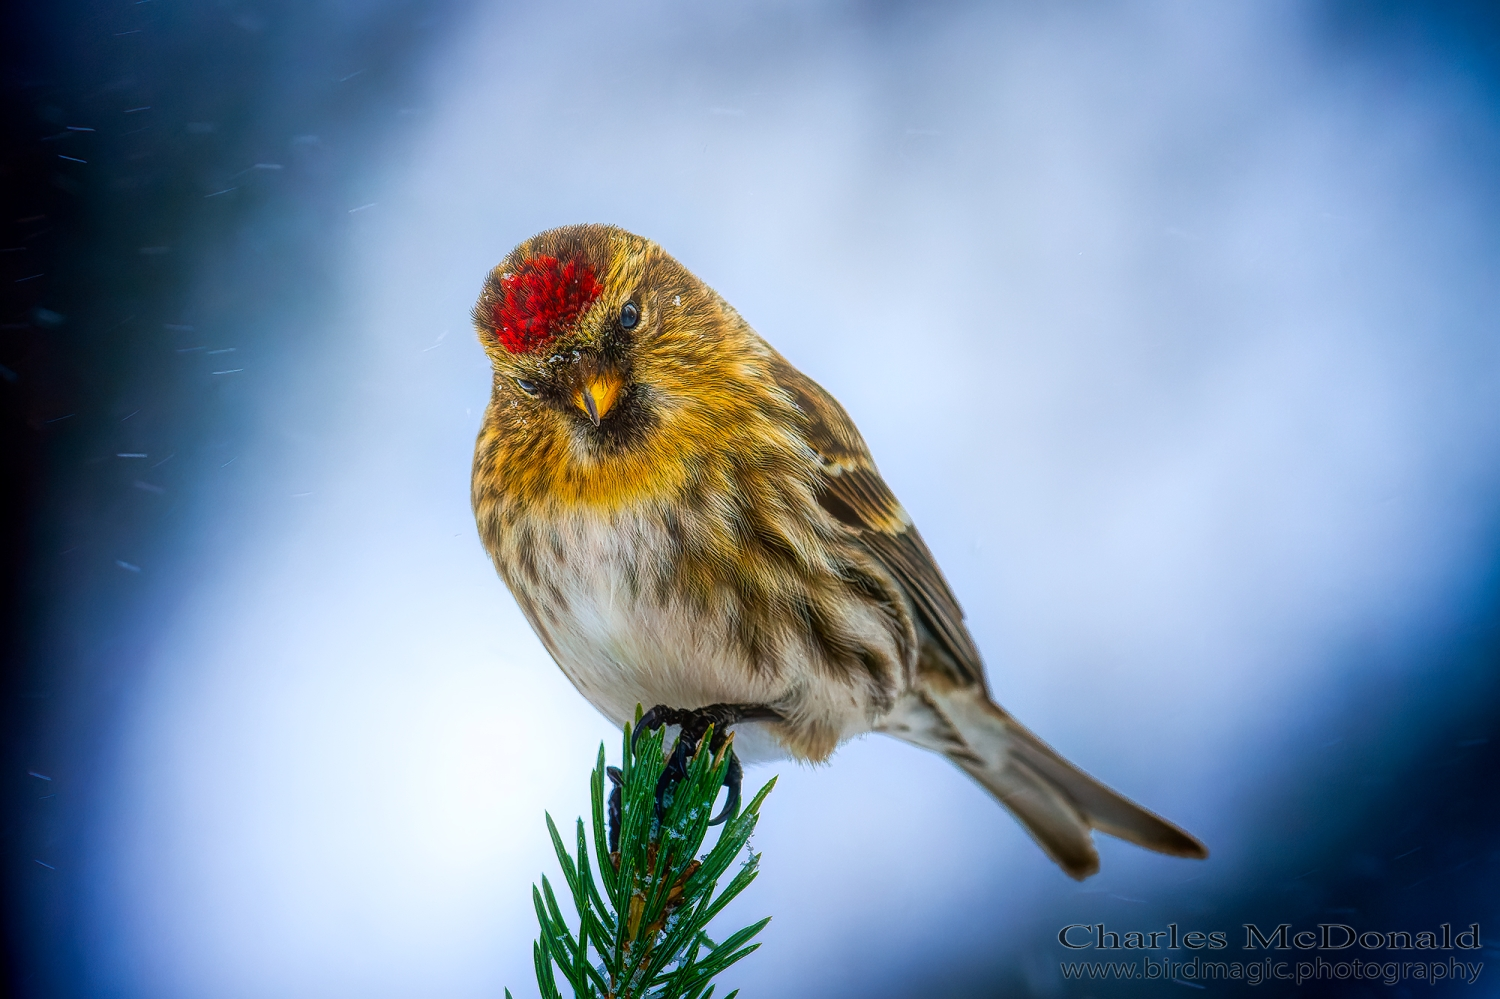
{"type": "Point", "coordinates": [598, 395]}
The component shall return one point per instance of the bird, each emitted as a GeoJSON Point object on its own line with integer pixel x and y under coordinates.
{"type": "Point", "coordinates": [689, 522]}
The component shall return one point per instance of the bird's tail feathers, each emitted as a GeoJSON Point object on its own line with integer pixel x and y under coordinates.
{"type": "Point", "coordinates": [1058, 804]}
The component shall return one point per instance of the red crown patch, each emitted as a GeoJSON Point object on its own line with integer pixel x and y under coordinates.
{"type": "Point", "coordinates": [540, 299]}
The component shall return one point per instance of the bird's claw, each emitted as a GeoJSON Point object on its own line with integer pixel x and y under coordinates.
{"type": "Point", "coordinates": [733, 777]}
{"type": "Point", "coordinates": [658, 717]}
{"type": "Point", "coordinates": [695, 723]}
{"type": "Point", "coordinates": [616, 798]}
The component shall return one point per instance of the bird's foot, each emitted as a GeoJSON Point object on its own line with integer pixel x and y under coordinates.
{"type": "Point", "coordinates": [616, 798]}
{"type": "Point", "coordinates": [695, 723]}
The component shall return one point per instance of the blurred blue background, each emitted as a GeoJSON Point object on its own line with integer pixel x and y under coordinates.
{"type": "Point", "coordinates": [1174, 325]}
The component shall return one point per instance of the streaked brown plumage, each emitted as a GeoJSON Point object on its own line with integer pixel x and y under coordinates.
{"type": "Point", "coordinates": [686, 519]}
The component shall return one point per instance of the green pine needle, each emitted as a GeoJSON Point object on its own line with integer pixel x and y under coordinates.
{"type": "Point", "coordinates": [642, 913]}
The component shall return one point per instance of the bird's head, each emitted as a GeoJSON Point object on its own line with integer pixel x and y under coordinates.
{"type": "Point", "coordinates": [613, 366]}
{"type": "Point", "coordinates": [561, 318]}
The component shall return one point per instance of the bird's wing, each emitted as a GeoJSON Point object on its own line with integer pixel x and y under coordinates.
{"type": "Point", "coordinates": [854, 493]}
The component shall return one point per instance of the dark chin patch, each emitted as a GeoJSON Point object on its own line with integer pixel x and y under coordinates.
{"type": "Point", "coordinates": [626, 426]}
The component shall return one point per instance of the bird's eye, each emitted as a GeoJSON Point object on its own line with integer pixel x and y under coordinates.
{"type": "Point", "coordinates": [629, 316]}
{"type": "Point", "coordinates": [525, 386]}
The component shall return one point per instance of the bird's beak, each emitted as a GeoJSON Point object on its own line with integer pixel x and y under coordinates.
{"type": "Point", "coordinates": [598, 394]}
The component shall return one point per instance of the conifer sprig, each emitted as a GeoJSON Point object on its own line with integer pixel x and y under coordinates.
{"type": "Point", "coordinates": [643, 936]}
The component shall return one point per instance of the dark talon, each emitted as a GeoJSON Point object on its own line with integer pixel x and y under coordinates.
{"type": "Point", "coordinates": [733, 778]}
{"type": "Point", "coordinates": [675, 771]}
{"type": "Point", "coordinates": [615, 797]}
{"type": "Point", "coordinates": [694, 723]}
{"type": "Point", "coordinates": [657, 717]}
